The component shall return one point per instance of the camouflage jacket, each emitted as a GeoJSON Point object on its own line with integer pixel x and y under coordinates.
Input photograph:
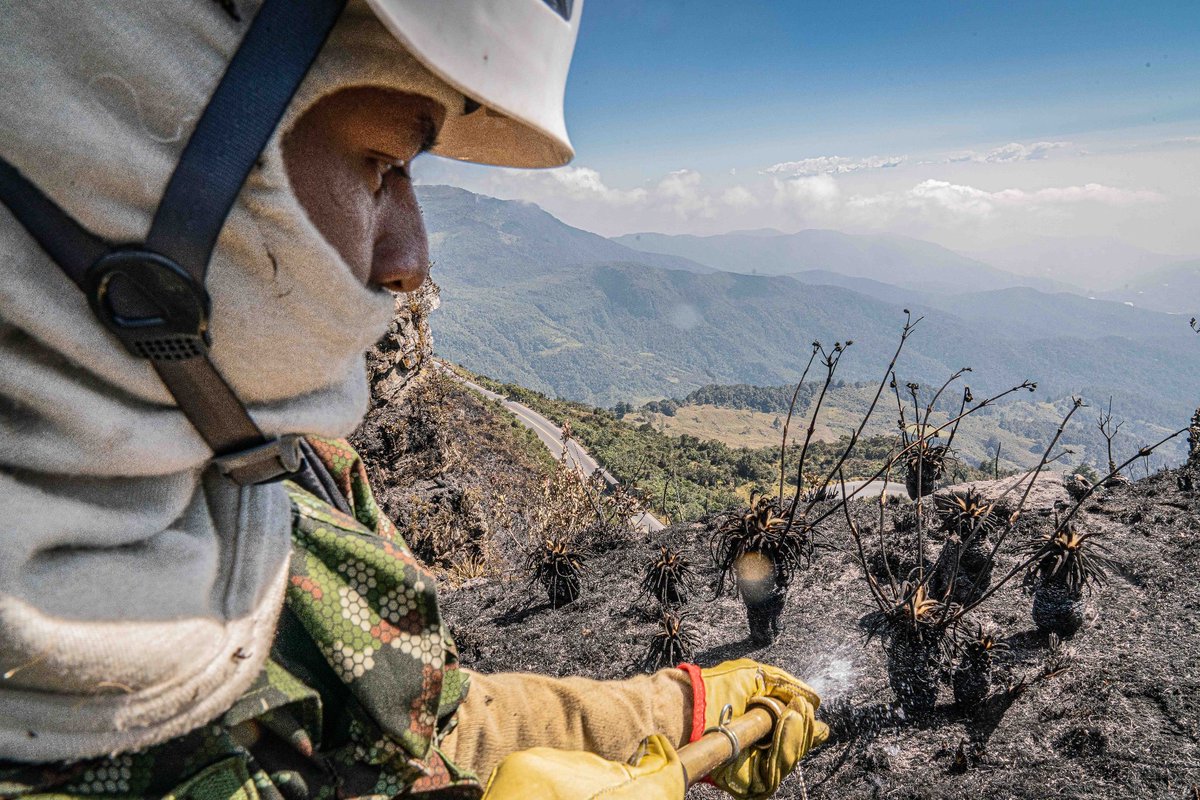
{"type": "Point", "coordinates": [361, 686]}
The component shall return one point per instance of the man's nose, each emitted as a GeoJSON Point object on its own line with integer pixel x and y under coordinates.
{"type": "Point", "coordinates": [400, 259]}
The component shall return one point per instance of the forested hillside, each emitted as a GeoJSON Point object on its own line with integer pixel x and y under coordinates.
{"type": "Point", "coordinates": [533, 301]}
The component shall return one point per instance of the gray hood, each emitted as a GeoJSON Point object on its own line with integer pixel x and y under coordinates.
{"type": "Point", "coordinates": [138, 589]}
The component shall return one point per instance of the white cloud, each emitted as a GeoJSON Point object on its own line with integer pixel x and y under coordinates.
{"type": "Point", "coordinates": [815, 191]}
{"type": "Point", "coordinates": [585, 183]}
{"type": "Point", "coordinates": [1006, 154]}
{"type": "Point", "coordinates": [832, 165]}
{"type": "Point", "coordinates": [842, 165]}
{"type": "Point", "coordinates": [739, 197]}
{"type": "Point", "coordinates": [1186, 141]}
{"type": "Point", "coordinates": [1071, 197]}
{"type": "Point", "coordinates": [934, 197]}
{"type": "Point", "coordinates": [1088, 193]}
{"type": "Point", "coordinates": [682, 191]}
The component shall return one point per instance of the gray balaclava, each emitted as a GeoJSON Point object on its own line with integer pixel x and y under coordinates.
{"type": "Point", "coordinates": [139, 589]}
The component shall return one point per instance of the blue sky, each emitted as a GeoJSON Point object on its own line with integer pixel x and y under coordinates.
{"type": "Point", "coordinates": [1098, 94]}
{"type": "Point", "coordinates": [747, 83]}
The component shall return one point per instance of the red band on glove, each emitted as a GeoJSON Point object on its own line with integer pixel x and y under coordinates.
{"type": "Point", "coordinates": [699, 700]}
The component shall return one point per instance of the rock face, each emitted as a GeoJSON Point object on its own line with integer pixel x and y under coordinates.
{"type": "Point", "coordinates": [396, 359]}
{"type": "Point", "coordinates": [454, 473]}
{"type": "Point", "coordinates": [1047, 492]}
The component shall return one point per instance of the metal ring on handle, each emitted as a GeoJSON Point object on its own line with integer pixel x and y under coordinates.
{"type": "Point", "coordinates": [773, 707]}
{"type": "Point", "coordinates": [723, 721]}
{"type": "Point", "coordinates": [712, 750]}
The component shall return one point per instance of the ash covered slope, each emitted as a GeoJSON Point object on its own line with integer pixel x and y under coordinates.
{"type": "Point", "coordinates": [1122, 718]}
{"type": "Point", "coordinates": [1119, 716]}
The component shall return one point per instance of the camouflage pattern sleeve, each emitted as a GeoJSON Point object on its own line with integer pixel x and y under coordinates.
{"type": "Point", "coordinates": [361, 688]}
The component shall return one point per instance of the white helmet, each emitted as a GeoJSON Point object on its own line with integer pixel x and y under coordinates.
{"type": "Point", "coordinates": [507, 58]}
{"type": "Point", "coordinates": [511, 57]}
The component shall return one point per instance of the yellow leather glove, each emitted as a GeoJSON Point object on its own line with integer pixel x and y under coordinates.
{"type": "Point", "coordinates": [547, 774]}
{"type": "Point", "coordinates": [757, 772]}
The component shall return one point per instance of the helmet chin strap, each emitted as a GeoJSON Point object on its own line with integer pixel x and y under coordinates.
{"type": "Point", "coordinates": [152, 295]}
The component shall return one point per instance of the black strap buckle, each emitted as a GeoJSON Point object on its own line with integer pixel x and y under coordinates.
{"type": "Point", "coordinates": [157, 310]}
{"type": "Point", "coordinates": [156, 305]}
{"type": "Point", "coordinates": [274, 460]}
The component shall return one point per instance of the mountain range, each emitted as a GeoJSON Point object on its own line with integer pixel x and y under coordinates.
{"type": "Point", "coordinates": [1174, 288]}
{"type": "Point", "coordinates": [897, 260]}
{"type": "Point", "coordinates": [1094, 264]}
{"type": "Point", "coordinates": [529, 299]}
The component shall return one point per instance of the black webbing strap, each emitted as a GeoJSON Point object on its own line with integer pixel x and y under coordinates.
{"type": "Point", "coordinates": [199, 390]}
{"type": "Point", "coordinates": [152, 296]}
{"type": "Point", "coordinates": [72, 247]}
{"type": "Point", "coordinates": [243, 112]}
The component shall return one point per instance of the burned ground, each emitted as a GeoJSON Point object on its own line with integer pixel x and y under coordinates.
{"type": "Point", "coordinates": [1113, 712]}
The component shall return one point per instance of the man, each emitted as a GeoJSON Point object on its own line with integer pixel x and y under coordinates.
{"type": "Point", "coordinates": [207, 205]}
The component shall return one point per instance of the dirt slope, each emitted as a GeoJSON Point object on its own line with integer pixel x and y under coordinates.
{"type": "Point", "coordinates": [457, 474]}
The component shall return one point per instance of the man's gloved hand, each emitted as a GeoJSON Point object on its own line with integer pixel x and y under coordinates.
{"type": "Point", "coordinates": [548, 774]}
{"type": "Point", "coordinates": [757, 772]}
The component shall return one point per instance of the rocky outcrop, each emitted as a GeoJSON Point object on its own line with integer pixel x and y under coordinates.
{"type": "Point", "coordinates": [1047, 493]}
{"type": "Point", "coordinates": [398, 356]}
{"type": "Point", "coordinates": [1077, 486]}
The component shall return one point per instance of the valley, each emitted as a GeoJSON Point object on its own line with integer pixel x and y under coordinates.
{"type": "Point", "coordinates": [533, 301]}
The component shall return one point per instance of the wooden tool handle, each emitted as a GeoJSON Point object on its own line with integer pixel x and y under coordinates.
{"type": "Point", "coordinates": [715, 748]}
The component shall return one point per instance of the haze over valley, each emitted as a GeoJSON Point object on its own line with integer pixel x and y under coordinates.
{"type": "Point", "coordinates": [532, 300]}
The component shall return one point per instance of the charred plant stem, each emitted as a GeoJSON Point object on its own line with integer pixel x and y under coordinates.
{"type": "Point", "coordinates": [966, 398]}
{"type": "Point", "coordinates": [937, 395]}
{"type": "Point", "coordinates": [909, 324]}
{"type": "Point", "coordinates": [830, 361]}
{"type": "Point", "coordinates": [895, 587]}
{"type": "Point", "coordinates": [788, 421]}
{"type": "Point", "coordinates": [876, 593]}
{"type": "Point", "coordinates": [920, 509]}
{"type": "Point", "coordinates": [1109, 432]}
{"type": "Point", "coordinates": [890, 463]}
{"type": "Point", "coordinates": [1031, 477]}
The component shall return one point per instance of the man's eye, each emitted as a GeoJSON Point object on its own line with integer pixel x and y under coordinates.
{"type": "Point", "coordinates": [386, 167]}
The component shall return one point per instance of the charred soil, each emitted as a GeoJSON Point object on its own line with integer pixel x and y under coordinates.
{"type": "Point", "coordinates": [1112, 712]}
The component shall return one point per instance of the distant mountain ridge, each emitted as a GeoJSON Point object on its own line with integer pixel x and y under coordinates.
{"type": "Point", "coordinates": [529, 299]}
{"type": "Point", "coordinates": [1038, 314]}
{"type": "Point", "coordinates": [1174, 288]}
{"type": "Point", "coordinates": [474, 231]}
{"type": "Point", "coordinates": [888, 258]}
{"type": "Point", "coordinates": [1095, 264]}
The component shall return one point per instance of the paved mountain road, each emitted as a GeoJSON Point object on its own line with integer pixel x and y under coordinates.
{"type": "Point", "coordinates": [551, 436]}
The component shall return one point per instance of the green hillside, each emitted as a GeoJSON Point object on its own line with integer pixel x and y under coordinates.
{"type": "Point", "coordinates": [681, 477]}
{"type": "Point", "coordinates": [742, 415]}
{"type": "Point", "coordinates": [530, 300]}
